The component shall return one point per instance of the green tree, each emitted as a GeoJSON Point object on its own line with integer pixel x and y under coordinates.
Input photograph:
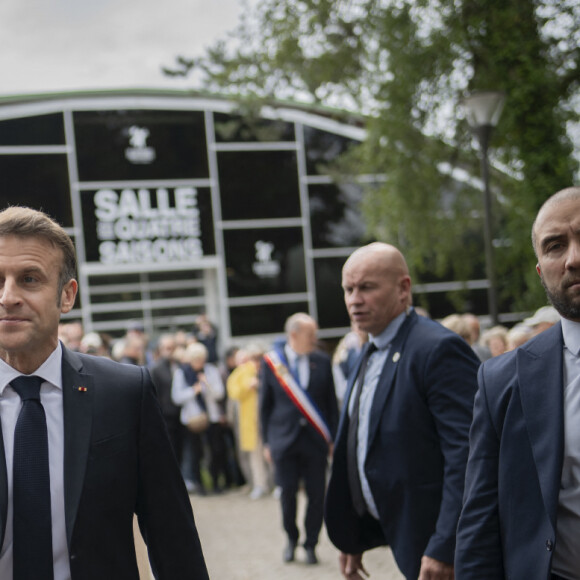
{"type": "Point", "coordinates": [404, 65]}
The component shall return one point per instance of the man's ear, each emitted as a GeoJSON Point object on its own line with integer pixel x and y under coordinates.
{"type": "Point", "coordinates": [405, 286]}
{"type": "Point", "coordinates": [68, 295]}
{"type": "Point", "coordinates": [538, 270]}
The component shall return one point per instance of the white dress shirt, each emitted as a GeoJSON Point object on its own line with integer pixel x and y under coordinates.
{"type": "Point", "coordinates": [10, 405]}
{"type": "Point", "coordinates": [374, 369]}
{"type": "Point", "coordinates": [300, 362]}
{"type": "Point", "coordinates": [566, 559]}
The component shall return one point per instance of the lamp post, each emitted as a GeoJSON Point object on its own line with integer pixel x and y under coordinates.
{"type": "Point", "coordinates": [483, 112]}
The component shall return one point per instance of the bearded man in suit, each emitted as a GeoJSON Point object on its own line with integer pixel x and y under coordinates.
{"type": "Point", "coordinates": [521, 516]}
{"type": "Point", "coordinates": [98, 421]}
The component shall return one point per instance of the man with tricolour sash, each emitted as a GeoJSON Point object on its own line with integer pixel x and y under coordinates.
{"type": "Point", "coordinates": [299, 416]}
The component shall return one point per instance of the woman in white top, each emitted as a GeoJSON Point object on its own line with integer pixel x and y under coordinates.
{"type": "Point", "coordinates": [198, 388]}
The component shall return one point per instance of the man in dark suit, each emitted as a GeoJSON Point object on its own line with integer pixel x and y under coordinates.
{"type": "Point", "coordinates": [162, 374]}
{"type": "Point", "coordinates": [298, 415]}
{"type": "Point", "coordinates": [520, 518]}
{"type": "Point", "coordinates": [98, 421]}
{"type": "Point", "coordinates": [401, 448]}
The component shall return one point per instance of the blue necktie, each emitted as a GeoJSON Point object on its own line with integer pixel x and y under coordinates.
{"type": "Point", "coordinates": [32, 549]}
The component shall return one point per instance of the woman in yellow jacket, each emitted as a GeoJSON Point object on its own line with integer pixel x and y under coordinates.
{"type": "Point", "coordinates": [242, 386]}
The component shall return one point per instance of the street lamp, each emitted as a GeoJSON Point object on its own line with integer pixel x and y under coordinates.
{"type": "Point", "coordinates": [483, 112]}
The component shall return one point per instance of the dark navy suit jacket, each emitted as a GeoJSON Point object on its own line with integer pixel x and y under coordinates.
{"type": "Point", "coordinates": [118, 461]}
{"type": "Point", "coordinates": [417, 449]}
{"type": "Point", "coordinates": [507, 527]}
{"type": "Point", "coordinates": [282, 422]}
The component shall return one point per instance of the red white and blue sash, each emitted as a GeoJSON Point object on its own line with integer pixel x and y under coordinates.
{"type": "Point", "coordinates": [297, 394]}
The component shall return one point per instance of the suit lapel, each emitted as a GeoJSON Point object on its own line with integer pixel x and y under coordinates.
{"type": "Point", "coordinates": [78, 393]}
{"type": "Point", "coordinates": [388, 374]}
{"type": "Point", "coordinates": [540, 371]}
{"type": "Point", "coordinates": [3, 490]}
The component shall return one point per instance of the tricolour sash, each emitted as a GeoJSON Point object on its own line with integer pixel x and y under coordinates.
{"type": "Point", "coordinates": [297, 394]}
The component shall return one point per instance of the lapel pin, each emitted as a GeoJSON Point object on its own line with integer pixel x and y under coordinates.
{"type": "Point", "coordinates": [82, 389]}
{"type": "Point", "coordinates": [396, 357]}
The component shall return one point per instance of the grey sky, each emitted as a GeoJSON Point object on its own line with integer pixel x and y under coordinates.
{"type": "Point", "coordinates": [62, 45]}
{"type": "Point", "coordinates": [56, 45]}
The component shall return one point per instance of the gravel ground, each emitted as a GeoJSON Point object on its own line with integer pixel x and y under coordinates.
{"type": "Point", "coordinates": [243, 539]}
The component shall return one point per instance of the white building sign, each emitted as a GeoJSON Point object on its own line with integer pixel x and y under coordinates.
{"type": "Point", "coordinates": [145, 225]}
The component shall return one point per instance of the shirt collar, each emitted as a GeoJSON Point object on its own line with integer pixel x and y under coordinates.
{"type": "Point", "coordinates": [50, 370]}
{"type": "Point", "coordinates": [291, 354]}
{"type": "Point", "coordinates": [384, 339]}
{"type": "Point", "coordinates": [571, 334]}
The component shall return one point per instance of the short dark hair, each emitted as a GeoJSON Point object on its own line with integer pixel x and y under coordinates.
{"type": "Point", "coordinates": [30, 223]}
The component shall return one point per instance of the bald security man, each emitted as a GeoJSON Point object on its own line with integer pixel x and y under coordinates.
{"type": "Point", "coordinates": [401, 448]}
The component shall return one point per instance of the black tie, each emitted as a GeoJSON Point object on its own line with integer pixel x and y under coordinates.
{"type": "Point", "coordinates": [356, 493]}
{"type": "Point", "coordinates": [32, 551]}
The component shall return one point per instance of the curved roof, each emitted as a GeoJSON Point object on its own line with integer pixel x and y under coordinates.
{"type": "Point", "coordinates": [333, 120]}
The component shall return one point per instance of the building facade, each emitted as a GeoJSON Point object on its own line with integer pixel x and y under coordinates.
{"type": "Point", "coordinates": [179, 204]}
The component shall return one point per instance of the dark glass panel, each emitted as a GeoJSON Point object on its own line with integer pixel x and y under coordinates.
{"type": "Point", "coordinates": [99, 280]}
{"type": "Point", "coordinates": [39, 130]}
{"type": "Point", "coordinates": [37, 181]}
{"type": "Point", "coordinates": [265, 261]}
{"type": "Point", "coordinates": [329, 294]}
{"type": "Point", "coordinates": [176, 275]}
{"type": "Point", "coordinates": [137, 145]}
{"type": "Point", "coordinates": [174, 311]}
{"type": "Point", "coordinates": [235, 128]}
{"type": "Point", "coordinates": [258, 185]}
{"type": "Point", "coordinates": [323, 148]}
{"type": "Point", "coordinates": [335, 217]}
{"type": "Point", "coordinates": [160, 225]}
{"type": "Point", "coordinates": [117, 316]}
{"type": "Point", "coordinates": [264, 319]}
{"type": "Point", "coordinates": [115, 297]}
{"type": "Point", "coordinates": [179, 293]}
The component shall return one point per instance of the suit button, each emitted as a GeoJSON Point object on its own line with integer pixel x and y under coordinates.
{"type": "Point", "coordinates": [549, 545]}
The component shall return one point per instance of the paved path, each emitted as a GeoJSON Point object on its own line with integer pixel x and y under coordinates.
{"type": "Point", "coordinates": [242, 539]}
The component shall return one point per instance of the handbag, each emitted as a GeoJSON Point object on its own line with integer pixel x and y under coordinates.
{"type": "Point", "coordinates": [198, 423]}
{"type": "Point", "coordinates": [196, 417]}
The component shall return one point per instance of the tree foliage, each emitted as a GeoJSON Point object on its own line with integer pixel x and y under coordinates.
{"type": "Point", "coordinates": [405, 65]}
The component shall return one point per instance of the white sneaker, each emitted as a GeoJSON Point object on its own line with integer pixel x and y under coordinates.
{"type": "Point", "coordinates": [257, 493]}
